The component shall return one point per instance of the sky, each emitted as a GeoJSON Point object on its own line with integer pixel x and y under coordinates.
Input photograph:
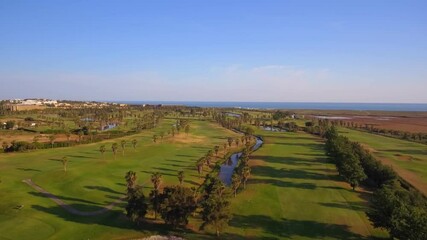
{"type": "Point", "coordinates": [230, 50]}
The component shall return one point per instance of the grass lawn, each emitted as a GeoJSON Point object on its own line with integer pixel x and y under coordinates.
{"type": "Point", "coordinates": [294, 193]}
{"type": "Point", "coordinates": [92, 182]}
{"type": "Point", "coordinates": [408, 159]}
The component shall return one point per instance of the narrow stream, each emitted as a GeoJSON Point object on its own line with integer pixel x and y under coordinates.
{"type": "Point", "coordinates": [227, 168]}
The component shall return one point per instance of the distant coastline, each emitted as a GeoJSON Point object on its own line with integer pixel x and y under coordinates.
{"type": "Point", "coordinates": [417, 107]}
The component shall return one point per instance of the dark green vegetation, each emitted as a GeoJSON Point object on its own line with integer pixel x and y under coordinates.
{"type": "Point", "coordinates": [402, 211]}
{"type": "Point", "coordinates": [92, 181]}
{"type": "Point", "coordinates": [288, 189]}
{"type": "Point", "coordinates": [404, 135]}
{"type": "Point", "coordinates": [407, 158]}
{"type": "Point", "coordinates": [295, 193]}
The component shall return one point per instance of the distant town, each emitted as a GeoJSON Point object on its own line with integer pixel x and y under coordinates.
{"type": "Point", "coordinates": [35, 103]}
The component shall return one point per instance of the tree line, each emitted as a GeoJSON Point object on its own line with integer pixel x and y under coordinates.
{"type": "Point", "coordinates": [210, 201]}
{"type": "Point", "coordinates": [393, 206]}
{"type": "Point", "coordinates": [404, 135]}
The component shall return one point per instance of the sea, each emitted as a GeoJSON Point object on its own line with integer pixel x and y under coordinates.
{"type": "Point", "coordinates": [416, 107]}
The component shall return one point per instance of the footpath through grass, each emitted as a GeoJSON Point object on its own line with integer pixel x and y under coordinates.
{"type": "Point", "coordinates": [408, 159]}
{"type": "Point", "coordinates": [92, 182]}
{"type": "Point", "coordinates": [294, 193]}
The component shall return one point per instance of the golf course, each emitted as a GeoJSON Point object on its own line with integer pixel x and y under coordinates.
{"type": "Point", "coordinates": [408, 159]}
{"type": "Point", "coordinates": [293, 192]}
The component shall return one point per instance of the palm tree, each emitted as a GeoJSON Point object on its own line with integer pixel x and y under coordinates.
{"type": "Point", "coordinates": [64, 163]}
{"type": "Point", "coordinates": [134, 142]}
{"type": "Point", "coordinates": [114, 147]}
{"type": "Point", "coordinates": [236, 180]}
{"type": "Point", "coordinates": [123, 145]}
{"type": "Point", "coordinates": [199, 165]}
{"type": "Point", "coordinates": [246, 173]}
{"type": "Point", "coordinates": [80, 133]}
{"type": "Point", "coordinates": [162, 134]}
{"type": "Point", "coordinates": [102, 150]}
{"type": "Point", "coordinates": [5, 145]}
{"type": "Point", "coordinates": [180, 176]}
{"type": "Point", "coordinates": [156, 179]}
{"type": "Point", "coordinates": [230, 141]}
{"type": "Point", "coordinates": [208, 157]}
{"type": "Point", "coordinates": [130, 179]}
{"type": "Point", "coordinates": [36, 140]}
{"type": "Point", "coordinates": [52, 139]}
{"type": "Point", "coordinates": [187, 129]}
{"type": "Point", "coordinates": [216, 149]}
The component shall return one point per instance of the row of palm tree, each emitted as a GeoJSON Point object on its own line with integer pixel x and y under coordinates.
{"type": "Point", "coordinates": [115, 147]}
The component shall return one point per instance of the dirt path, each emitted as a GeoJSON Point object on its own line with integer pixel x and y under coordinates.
{"type": "Point", "coordinates": [67, 207]}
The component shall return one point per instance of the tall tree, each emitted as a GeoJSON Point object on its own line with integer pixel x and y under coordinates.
{"type": "Point", "coordinates": [102, 149]}
{"type": "Point", "coordinates": [156, 179]}
{"type": "Point", "coordinates": [216, 149]}
{"type": "Point", "coordinates": [114, 147]}
{"type": "Point", "coordinates": [130, 179]}
{"type": "Point", "coordinates": [230, 141]}
{"type": "Point", "coordinates": [181, 177]}
{"type": "Point", "coordinates": [123, 145]}
{"type": "Point", "coordinates": [236, 180]}
{"type": "Point", "coordinates": [136, 207]}
{"type": "Point", "coordinates": [176, 205]}
{"type": "Point", "coordinates": [52, 139]}
{"type": "Point", "coordinates": [134, 142]}
{"type": "Point", "coordinates": [187, 129]}
{"type": "Point", "coordinates": [162, 134]}
{"type": "Point", "coordinates": [4, 145]}
{"type": "Point", "coordinates": [199, 165]}
{"type": "Point", "coordinates": [64, 161]}
{"type": "Point", "coordinates": [215, 206]}
{"type": "Point", "coordinates": [349, 167]}
{"type": "Point", "coordinates": [246, 173]}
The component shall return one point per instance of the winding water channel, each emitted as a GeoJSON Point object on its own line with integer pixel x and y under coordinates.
{"type": "Point", "coordinates": [228, 166]}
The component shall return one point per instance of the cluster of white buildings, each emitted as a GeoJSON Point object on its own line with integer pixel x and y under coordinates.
{"type": "Point", "coordinates": [37, 102]}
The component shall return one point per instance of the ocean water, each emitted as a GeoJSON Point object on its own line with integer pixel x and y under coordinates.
{"type": "Point", "coordinates": [296, 105]}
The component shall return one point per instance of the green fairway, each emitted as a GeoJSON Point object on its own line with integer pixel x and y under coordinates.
{"type": "Point", "coordinates": [92, 182]}
{"type": "Point", "coordinates": [294, 193]}
{"type": "Point", "coordinates": [408, 159]}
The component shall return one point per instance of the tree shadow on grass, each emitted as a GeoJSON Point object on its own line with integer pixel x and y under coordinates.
{"type": "Point", "coordinates": [103, 189]}
{"type": "Point", "coordinates": [408, 151]}
{"type": "Point", "coordinates": [39, 194]}
{"type": "Point", "coordinates": [357, 206]}
{"type": "Point", "coordinates": [281, 183]}
{"type": "Point", "coordinates": [29, 169]}
{"type": "Point", "coordinates": [112, 218]}
{"type": "Point", "coordinates": [287, 228]}
{"type": "Point", "coordinates": [80, 156]}
{"type": "Point", "coordinates": [191, 182]}
{"type": "Point", "coordinates": [162, 173]}
{"type": "Point", "coordinates": [267, 171]}
{"type": "Point", "coordinates": [289, 160]}
{"type": "Point", "coordinates": [55, 159]}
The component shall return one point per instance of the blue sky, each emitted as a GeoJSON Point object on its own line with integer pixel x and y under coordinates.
{"type": "Point", "coordinates": [310, 51]}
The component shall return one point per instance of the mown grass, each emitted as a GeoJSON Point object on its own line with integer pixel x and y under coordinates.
{"type": "Point", "coordinates": [409, 159]}
{"type": "Point", "coordinates": [92, 182]}
{"type": "Point", "coordinates": [293, 192]}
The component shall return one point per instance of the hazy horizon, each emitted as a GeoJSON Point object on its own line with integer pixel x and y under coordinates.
{"type": "Point", "coordinates": [221, 51]}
